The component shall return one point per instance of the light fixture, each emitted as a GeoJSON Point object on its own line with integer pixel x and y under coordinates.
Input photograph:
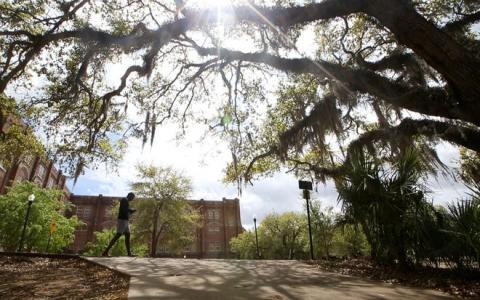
{"type": "Point", "coordinates": [31, 198]}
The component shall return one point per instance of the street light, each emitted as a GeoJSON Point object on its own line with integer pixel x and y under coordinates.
{"type": "Point", "coordinates": [31, 198]}
{"type": "Point", "coordinates": [256, 236]}
{"type": "Point", "coordinates": [306, 186]}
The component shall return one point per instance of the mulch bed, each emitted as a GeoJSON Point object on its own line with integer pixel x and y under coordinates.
{"type": "Point", "coordinates": [464, 284]}
{"type": "Point", "coordinates": [23, 277]}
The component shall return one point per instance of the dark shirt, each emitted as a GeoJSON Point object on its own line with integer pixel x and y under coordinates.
{"type": "Point", "coordinates": [124, 210]}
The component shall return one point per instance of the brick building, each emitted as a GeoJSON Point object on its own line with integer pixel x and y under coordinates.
{"type": "Point", "coordinates": [221, 222]}
{"type": "Point", "coordinates": [34, 169]}
{"type": "Point", "coordinates": [221, 219]}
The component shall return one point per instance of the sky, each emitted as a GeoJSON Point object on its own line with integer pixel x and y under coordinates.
{"type": "Point", "coordinates": [204, 163]}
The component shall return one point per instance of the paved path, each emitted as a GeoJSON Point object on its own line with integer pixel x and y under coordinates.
{"type": "Point", "coordinates": [160, 278]}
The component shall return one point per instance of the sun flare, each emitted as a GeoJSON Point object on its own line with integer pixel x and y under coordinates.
{"type": "Point", "coordinates": [207, 3]}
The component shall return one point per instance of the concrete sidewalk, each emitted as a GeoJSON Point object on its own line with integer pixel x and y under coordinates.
{"type": "Point", "coordinates": [160, 278]}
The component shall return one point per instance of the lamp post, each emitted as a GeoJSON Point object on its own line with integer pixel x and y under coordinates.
{"type": "Point", "coordinates": [306, 186]}
{"type": "Point", "coordinates": [256, 236]}
{"type": "Point", "coordinates": [31, 198]}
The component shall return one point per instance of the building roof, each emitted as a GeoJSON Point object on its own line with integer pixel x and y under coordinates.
{"type": "Point", "coordinates": [110, 199]}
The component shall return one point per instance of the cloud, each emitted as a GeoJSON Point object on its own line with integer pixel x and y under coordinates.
{"type": "Point", "coordinates": [204, 162]}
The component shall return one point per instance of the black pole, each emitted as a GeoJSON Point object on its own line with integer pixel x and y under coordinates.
{"type": "Point", "coordinates": [256, 236]}
{"type": "Point", "coordinates": [24, 226]}
{"type": "Point", "coordinates": [306, 193]}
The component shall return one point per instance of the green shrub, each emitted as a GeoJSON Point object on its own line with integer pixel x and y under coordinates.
{"type": "Point", "coordinates": [103, 238]}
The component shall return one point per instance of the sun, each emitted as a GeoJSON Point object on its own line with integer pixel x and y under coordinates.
{"type": "Point", "coordinates": [221, 8]}
{"type": "Point", "coordinates": [207, 3]}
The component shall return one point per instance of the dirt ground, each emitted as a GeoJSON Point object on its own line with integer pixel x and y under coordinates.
{"type": "Point", "coordinates": [67, 278]}
{"type": "Point", "coordinates": [465, 284]}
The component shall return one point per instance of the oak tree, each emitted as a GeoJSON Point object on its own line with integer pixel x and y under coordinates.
{"type": "Point", "coordinates": [163, 218]}
{"type": "Point", "coordinates": [386, 73]}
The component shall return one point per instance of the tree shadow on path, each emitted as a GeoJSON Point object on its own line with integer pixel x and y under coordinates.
{"type": "Point", "coordinates": [157, 278]}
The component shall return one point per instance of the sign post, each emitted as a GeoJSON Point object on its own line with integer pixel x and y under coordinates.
{"type": "Point", "coordinates": [306, 186]}
{"type": "Point", "coordinates": [53, 228]}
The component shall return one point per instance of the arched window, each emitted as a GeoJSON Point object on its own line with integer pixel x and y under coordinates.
{"type": "Point", "coordinates": [51, 183]}
{"type": "Point", "coordinates": [22, 174]}
{"type": "Point", "coordinates": [41, 170]}
{"type": "Point", "coordinates": [38, 181]}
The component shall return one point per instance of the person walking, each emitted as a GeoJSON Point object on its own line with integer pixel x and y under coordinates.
{"type": "Point", "coordinates": [122, 224]}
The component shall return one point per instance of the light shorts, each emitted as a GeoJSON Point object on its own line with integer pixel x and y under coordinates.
{"type": "Point", "coordinates": [122, 226]}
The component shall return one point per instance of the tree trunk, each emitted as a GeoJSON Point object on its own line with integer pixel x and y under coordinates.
{"type": "Point", "coordinates": [153, 244]}
{"type": "Point", "coordinates": [327, 252]}
{"type": "Point", "coordinates": [370, 240]}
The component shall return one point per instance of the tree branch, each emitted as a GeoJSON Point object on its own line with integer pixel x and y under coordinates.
{"type": "Point", "coordinates": [457, 65]}
{"type": "Point", "coordinates": [320, 172]}
{"type": "Point", "coordinates": [458, 25]}
{"type": "Point", "coordinates": [456, 134]}
{"type": "Point", "coordinates": [430, 101]}
{"type": "Point", "coordinates": [165, 33]}
{"type": "Point", "coordinates": [254, 160]}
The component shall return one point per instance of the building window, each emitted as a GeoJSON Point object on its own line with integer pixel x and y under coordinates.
{"type": "Point", "coordinates": [192, 247]}
{"type": "Point", "coordinates": [109, 214]}
{"type": "Point", "coordinates": [41, 171]}
{"type": "Point", "coordinates": [231, 221]}
{"type": "Point", "coordinates": [28, 160]}
{"type": "Point", "coordinates": [22, 174]}
{"type": "Point", "coordinates": [38, 181]}
{"type": "Point", "coordinates": [213, 214]}
{"type": "Point", "coordinates": [81, 228]}
{"type": "Point", "coordinates": [84, 212]}
{"type": "Point", "coordinates": [214, 247]}
{"type": "Point", "coordinates": [213, 228]}
{"type": "Point", "coordinates": [162, 249]}
{"type": "Point", "coordinates": [51, 183]}
{"type": "Point", "coordinates": [108, 224]}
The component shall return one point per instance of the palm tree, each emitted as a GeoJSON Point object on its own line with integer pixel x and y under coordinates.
{"type": "Point", "coordinates": [388, 201]}
{"type": "Point", "coordinates": [464, 228]}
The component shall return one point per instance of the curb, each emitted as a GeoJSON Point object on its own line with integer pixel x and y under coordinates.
{"type": "Point", "coordinates": [105, 266]}
{"type": "Point", "coordinates": [62, 256]}
{"type": "Point", "coordinates": [46, 255]}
